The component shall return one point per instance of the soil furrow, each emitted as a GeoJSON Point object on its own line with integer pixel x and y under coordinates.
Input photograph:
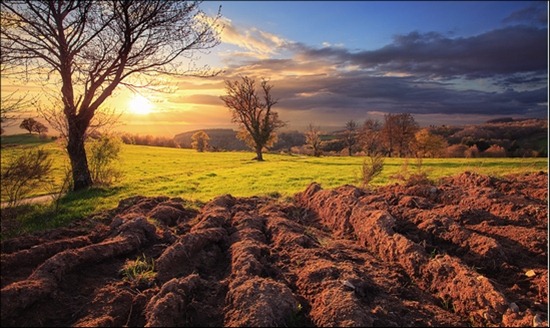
{"type": "Point", "coordinates": [469, 250]}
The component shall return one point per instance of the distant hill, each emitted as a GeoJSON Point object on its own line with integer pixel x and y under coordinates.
{"type": "Point", "coordinates": [518, 136]}
{"type": "Point", "coordinates": [221, 139]}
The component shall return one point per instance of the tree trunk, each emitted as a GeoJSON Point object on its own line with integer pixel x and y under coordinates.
{"type": "Point", "coordinates": [77, 154]}
{"type": "Point", "coordinates": [259, 156]}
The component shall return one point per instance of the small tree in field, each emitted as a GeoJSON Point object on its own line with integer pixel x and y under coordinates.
{"type": "Point", "coordinates": [28, 124]}
{"type": "Point", "coordinates": [40, 128]}
{"type": "Point", "coordinates": [398, 133]}
{"type": "Point", "coordinates": [200, 141]}
{"type": "Point", "coordinates": [252, 110]}
{"type": "Point", "coordinates": [313, 140]}
{"type": "Point", "coordinates": [370, 137]}
{"type": "Point", "coordinates": [372, 167]}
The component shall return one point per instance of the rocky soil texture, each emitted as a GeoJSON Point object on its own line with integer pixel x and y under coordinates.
{"type": "Point", "coordinates": [469, 251]}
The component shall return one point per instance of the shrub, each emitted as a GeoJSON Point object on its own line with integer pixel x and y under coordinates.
{"type": "Point", "coordinates": [104, 151]}
{"type": "Point", "coordinates": [456, 150]}
{"type": "Point", "coordinates": [24, 173]}
{"type": "Point", "coordinates": [472, 152]}
{"type": "Point", "coordinates": [372, 167]}
{"type": "Point", "coordinates": [495, 151]}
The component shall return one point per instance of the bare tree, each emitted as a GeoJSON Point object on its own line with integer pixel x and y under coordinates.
{"type": "Point", "coordinates": [370, 137]}
{"type": "Point", "coordinates": [398, 133]}
{"type": "Point", "coordinates": [350, 135]}
{"type": "Point", "coordinates": [313, 139]}
{"type": "Point", "coordinates": [251, 109]}
{"type": "Point", "coordinates": [89, 48]}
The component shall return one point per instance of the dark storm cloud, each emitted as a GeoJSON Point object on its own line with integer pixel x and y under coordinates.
{"type": "Point", "coordinates": [509, 50]}
{"type": "Point", "coordinates": [499, 72]}
{"type": "Point", "coordinates": [536, 13]}
{"type": "Point", "coordinates": [354, 93]}
{"type": "Point", "coordinates": [528, 80]}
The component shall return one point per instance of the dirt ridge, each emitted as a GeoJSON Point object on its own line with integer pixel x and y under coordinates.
{"type": "Point", "coordinates": [469, 250]}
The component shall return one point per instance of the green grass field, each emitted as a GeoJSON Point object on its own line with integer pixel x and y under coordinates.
{"type": "Point", "coordinates": [185, 173]}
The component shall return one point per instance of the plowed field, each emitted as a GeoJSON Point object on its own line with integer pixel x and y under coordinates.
{"type": "Point", "coordinates": [471, 250]}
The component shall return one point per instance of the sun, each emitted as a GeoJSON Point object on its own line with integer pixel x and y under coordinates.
{"type": "Point", "coordinates": [140, 105]}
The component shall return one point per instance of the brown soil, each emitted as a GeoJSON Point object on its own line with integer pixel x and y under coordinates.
{"type": "Point", "coordinates": [469, 251]}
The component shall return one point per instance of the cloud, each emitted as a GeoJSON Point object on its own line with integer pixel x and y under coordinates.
{"type": "Point", "coordinates": [341, 95]}
{"type": "Point", "coordinates": [495, 73]}
{"type": "Point", "coordinates": [516, 49]}
{"type": "Point", "coordinates": [199, 99]}
{"type": "Point", "coordinates": [256, 42]}
{"type": "Point", "coordinates": [360, 93]}
{"type": "Point", "coordinates": [536, 13]}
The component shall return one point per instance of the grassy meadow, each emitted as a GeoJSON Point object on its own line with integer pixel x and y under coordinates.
{"type": "Point", "coordinates": [199, 177]}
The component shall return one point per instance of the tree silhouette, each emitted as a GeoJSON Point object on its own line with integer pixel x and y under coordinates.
{"type": "Point", "coordinates": [89, 48]}
{"type": "Point", "coordinates": [28, 124]}
{"type": "Point", "coordinates": [40, 128]}
{"type": "Point", "coordinates": [251, 109]}
{"type": "Point", "coordinates": [398, 133]}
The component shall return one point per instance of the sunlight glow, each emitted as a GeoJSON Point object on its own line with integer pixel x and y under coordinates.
{"type": "Point", "coordinates": [140, 105]}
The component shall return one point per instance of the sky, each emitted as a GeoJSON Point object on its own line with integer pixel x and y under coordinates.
{"type": "Point", "coordinates": [329, 62]}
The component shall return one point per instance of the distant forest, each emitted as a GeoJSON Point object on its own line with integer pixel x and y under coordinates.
{"type": "Point", "coordinates": [503, 137]}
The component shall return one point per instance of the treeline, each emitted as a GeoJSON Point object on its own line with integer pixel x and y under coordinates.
{"type": "Point", "coordinates": [148, 140]}
{"type": "Point", "coordinates": [397, 135]}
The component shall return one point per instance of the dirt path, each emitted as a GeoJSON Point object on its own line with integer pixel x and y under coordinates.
{"type": "Point", "coordinates": [470, 251]}
{"type": "Point", "coordinates": [34, 200]}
